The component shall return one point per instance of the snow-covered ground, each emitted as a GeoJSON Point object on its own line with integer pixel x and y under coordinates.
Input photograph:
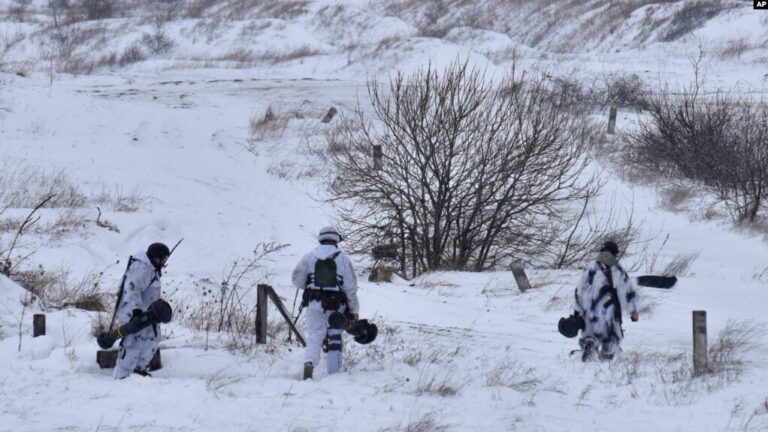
{"type": "Point", "coordinates": [456, 351]}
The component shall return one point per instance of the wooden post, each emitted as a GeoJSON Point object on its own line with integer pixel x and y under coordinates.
{"type": "Point", "coordinates": [612, 120]}
{"type": "Point", "coordinates": [377, 157]}
{"type": "Point", "coordinates": [38, 325]}
{"type": "Point", "coordinates": [329, 115]}
{"type": "Point", "coordinates": [518, 269]}
{"type": "Point", "coordinates": [261, 313]}
{"type": "Point", "coordinates": [699, 342]}
{"type": "Point", "coordinates": [284, 312]}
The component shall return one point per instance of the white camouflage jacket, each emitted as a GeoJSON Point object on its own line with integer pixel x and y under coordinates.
{"type": "Point", "coordinates": [343, 268]}
{"type": "Point", "coordinates": [141, 287]}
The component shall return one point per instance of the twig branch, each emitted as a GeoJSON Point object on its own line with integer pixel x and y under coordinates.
{"type": "Point", "coordinates": [6, 268]}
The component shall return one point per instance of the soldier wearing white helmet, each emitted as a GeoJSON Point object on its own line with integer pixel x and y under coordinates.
{"type": "Point", "coordinates": [330, 289]}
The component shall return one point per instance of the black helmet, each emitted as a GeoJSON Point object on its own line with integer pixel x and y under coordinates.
{"type": "Point", "coordinates": [569, 327]}
{"type": "Point", "coordinates": [158, 250]}
{"type": "Point", "coordinates": [363, 331]}
{"type": "Point", "coordinates": [611, 247]}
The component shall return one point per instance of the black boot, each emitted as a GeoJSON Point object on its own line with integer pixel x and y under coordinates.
{"type": "Point", "coordinates": [142, 372]}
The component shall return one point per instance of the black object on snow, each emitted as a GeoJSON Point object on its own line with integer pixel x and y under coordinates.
{"type": "Point", "coordinates": [654, 281]}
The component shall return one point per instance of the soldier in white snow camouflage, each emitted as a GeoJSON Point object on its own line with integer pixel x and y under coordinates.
{"type": "Point", "coordinates": [140, 288]}
{"type": "Point", "coordinates": [604, 291]}
{"type": "Point", "coordinates": [330, 294]}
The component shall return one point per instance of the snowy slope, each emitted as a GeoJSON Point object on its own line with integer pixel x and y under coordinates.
{"type": "Point", "coordinates": [456, 351]}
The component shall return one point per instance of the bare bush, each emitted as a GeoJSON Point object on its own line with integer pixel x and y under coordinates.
{"type": "Point", "coordinates": [19, 9]}
{"type": "Point", "coordinates": [25, 187]}
{"type": "Point", "coordinates": [512, 374]}
{"type": "Point", "coordinates": [623, 91]}
{"type": "Point", "coordinates": [726, 356]}
{"type": "Point", "coordinates": [227, 307]}
{"type": "Point", "coordinates": [471, 173]}
{"type": "Point", "coordinates": [132, 54]}
{"type": "Point", "coordinates": [675, 196]}
{"type": "Point", "coordinates": [426, 423]}
{"type": "Point", "coordinates": [157, 42]}
{"type": "Point", "coordinates": [691, 16]}
{"type": "Point", "coordinates": [718, 141]}
{"type": "Point", "coordinates": [97, 9]}
{"type": "Point", "coordinates": [438, 384]}
{"type": "Point", "coordinates": [680, 264]}
{"type": "Point", "coordinates": [122, 200]}
{"type": "Point", "coordinates": [267, 127]}
{"type": "Point", "coordinates": [58, 289]}
{"type": "Point", "coordinates": [734, 48]}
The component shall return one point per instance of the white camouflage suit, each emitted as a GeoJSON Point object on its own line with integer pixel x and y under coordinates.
{"type": "Point", "coordinates": [141, 287]}
{"type": "Point", "coordinates": [316, 318]}
{"type": "Point", "coordinates": [597, 306]}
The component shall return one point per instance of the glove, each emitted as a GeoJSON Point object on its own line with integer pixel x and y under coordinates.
{"type": "Point", "coordinates": [136, 312]}
{"type": "Point", "coordinates": [634, 315]}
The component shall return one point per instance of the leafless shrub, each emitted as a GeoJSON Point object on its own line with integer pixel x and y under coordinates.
{"type": "Point", "coordinates": [287, 9]}
{"type": "Point", "coordinates": [444, 385]}
{"type": "Point", "coordinates": [122, 200]}
{"type": "Point", "coordinates": [157, 42]}
{"type": "Point", "coordinates": [477, 150]}
{"type": "Point", "coordinates": [431, 22]}
{"type": "Point", "coordinates": [726, 356]}
{"type": "Point", "coordinates": [717, 141]}
{"type": "Point", "coordinates": [293, 53]}
{"type": "Point", "coordinates": [97, 9]}
{"type": "Point", "coordinates": [674, 197]}
{"type": "Point", "coordinates": [226, 307]}
{"type": "Point", "coordinates": [18, 10]}
{"type": "Point", "coordinates": [197, 8]}
{"type": "Point", "coordinates": [25, 187]}
{"type": "Point", "coordinates": [77, 65]}
{"type": "Point", "coordinates": [266, 127]}
{"type": "Point", "coordinates": [132, 54]}
{"type": "Point", "coordinates": [166, 10]}
{"type": "Point", "coordinates": [58, 289]}
{"type": "Point", "coordinates": [428, 354]}
{"type": "Point", "coordinates": [680, 264]}
{"type": "Point", "coordinates": [513, 374]}
{"type": "Point", "coordinates": [622, 91]}
{"type": "Point", "coordinates": [426, 423]}
{"type": "Point", "coordinates": [734, 48]}
{"type": "Point", "coordinates": [691, 16]}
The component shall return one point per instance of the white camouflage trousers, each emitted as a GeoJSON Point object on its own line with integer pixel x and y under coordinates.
{"type": "Point", "coordinates": [317, 330]}
{"type": "Point", "coordinates": [136, 351]}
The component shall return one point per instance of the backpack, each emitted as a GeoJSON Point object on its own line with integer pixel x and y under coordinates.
{"type": "Point", "coordinates": [325, 272]}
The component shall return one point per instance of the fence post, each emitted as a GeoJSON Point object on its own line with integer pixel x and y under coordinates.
{"type": "Point", "coordinates": [261, 313]}
{"type": "Point", "coordinates": [329, 115]}
{"type": "Point", "coordinates": [38, 325]}
{"type": "Point", "coordinates": [518, 270]}
{"type": "Point", "coordinates": [377, 156]}
{"type": "Point", "coordinates": [699, 342]}
{"type": "Point", "coordinates": [612, 120]}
